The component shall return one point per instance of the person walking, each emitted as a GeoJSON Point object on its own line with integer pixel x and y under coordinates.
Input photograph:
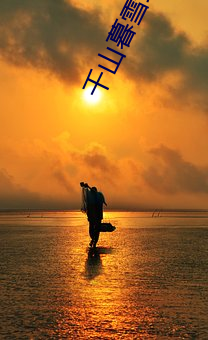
{"type": "Point", "coordinates": [92, 204]}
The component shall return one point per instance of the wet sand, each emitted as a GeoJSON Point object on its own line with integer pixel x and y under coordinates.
{"type": "Point", "coordinates": [146, 280]}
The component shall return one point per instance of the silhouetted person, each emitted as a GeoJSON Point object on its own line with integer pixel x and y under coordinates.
{"type": "Point", "coordinates": [93, 206]}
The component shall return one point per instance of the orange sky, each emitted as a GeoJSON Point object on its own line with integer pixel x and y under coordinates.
{"type": "Point", "coordinates": [144, 143]}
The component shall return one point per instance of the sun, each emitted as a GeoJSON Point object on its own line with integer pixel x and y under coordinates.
{"type": "Point", "coordinates": [92, 98]}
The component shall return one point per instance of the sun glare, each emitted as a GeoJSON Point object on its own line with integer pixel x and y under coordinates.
{"type": "Point", "coordinates": [92, 99]}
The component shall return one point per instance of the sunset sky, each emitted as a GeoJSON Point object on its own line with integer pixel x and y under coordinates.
{"type": "Point", "coordinates": [143, 143]}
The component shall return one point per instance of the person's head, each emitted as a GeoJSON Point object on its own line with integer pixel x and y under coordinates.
{"type": "Point", "coordinates": [94, 189]}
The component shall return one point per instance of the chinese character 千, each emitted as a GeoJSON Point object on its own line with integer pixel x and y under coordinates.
{"type": "Point", "coordinates": [94, 82]}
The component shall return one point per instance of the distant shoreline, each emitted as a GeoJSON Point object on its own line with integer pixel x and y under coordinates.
{"type": "Point", "coordinates": [27, 211]}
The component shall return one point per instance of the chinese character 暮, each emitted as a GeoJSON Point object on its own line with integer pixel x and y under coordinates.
{"type": "Point", "coordinates": [131, 8]}
{"type": "Point", "coordinates": [121, 34]}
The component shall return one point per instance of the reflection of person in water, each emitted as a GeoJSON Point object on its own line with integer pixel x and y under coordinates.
{"type": "Point", "coordinates": [93, 201]}
{"type": "Point", "coordinates": [93, 265]}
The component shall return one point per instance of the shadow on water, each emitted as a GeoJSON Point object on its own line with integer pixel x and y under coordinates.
{"type": "Point", "coordinates": [93, 264]}
{"type": "Point", "coordinates": [103, 250]}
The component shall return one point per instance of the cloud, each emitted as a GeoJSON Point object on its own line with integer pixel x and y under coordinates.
{"type": "Point", "coordinates": [56, 37]}
{"type": "Point", "coordinates": [48, 34]}
{"type": "Point", "coordinates": [161, 50]}
{"type": "Point", "coordinates": [99, 164]}
{"type": "Point", "coordinates": [63, 178]}
{"type": "Point", "coordinates": [61, 167]}
{"type": "Point", "coordinates": [169, 181]}
{"type": "Point", "coordinates": [14, 196]}
{"type": "Point", "coordinates": [171, 174]}
{"type": "Point", "coordinates": [52, 177]}
{"type": "Point", "coordinates": [17, 196]}
{"type": "Point", "coordinates": [93, 162]}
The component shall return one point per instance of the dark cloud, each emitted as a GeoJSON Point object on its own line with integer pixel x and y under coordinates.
{"type": "Point", "coordinates": [171, 174]}
{"type": "Point", "coordinates": [49, 35]}
{"type": "Point", "coordinates": [161, 50]}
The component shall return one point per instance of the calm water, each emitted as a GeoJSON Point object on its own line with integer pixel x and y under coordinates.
{"type": "Point", "coordinates": [147, 280]}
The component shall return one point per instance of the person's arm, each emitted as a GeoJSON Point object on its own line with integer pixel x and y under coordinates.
{"type": "Point", "coordinates": [104, 202]}
{"type": "Point", "coordinates": [84, 187]}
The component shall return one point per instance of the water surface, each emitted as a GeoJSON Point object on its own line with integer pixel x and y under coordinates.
{"type": "Point", "coordinates": [146, 280]}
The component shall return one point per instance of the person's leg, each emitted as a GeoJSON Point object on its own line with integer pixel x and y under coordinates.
{"type": "Point", "coordinates": [97, 231]}
{"type": "Point", "coordinates": [97, 234]}
{"type": "Point", "coordinates": [91, 229]}
{"type": "Point", "coordinates": [92, 232]}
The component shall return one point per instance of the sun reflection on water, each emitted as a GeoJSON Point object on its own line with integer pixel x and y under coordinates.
{"type": "Point", "coordinates": [103, 303]}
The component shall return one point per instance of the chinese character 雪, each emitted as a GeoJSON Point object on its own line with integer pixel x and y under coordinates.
{"type": "Point", "coordinates": [134, 9]}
